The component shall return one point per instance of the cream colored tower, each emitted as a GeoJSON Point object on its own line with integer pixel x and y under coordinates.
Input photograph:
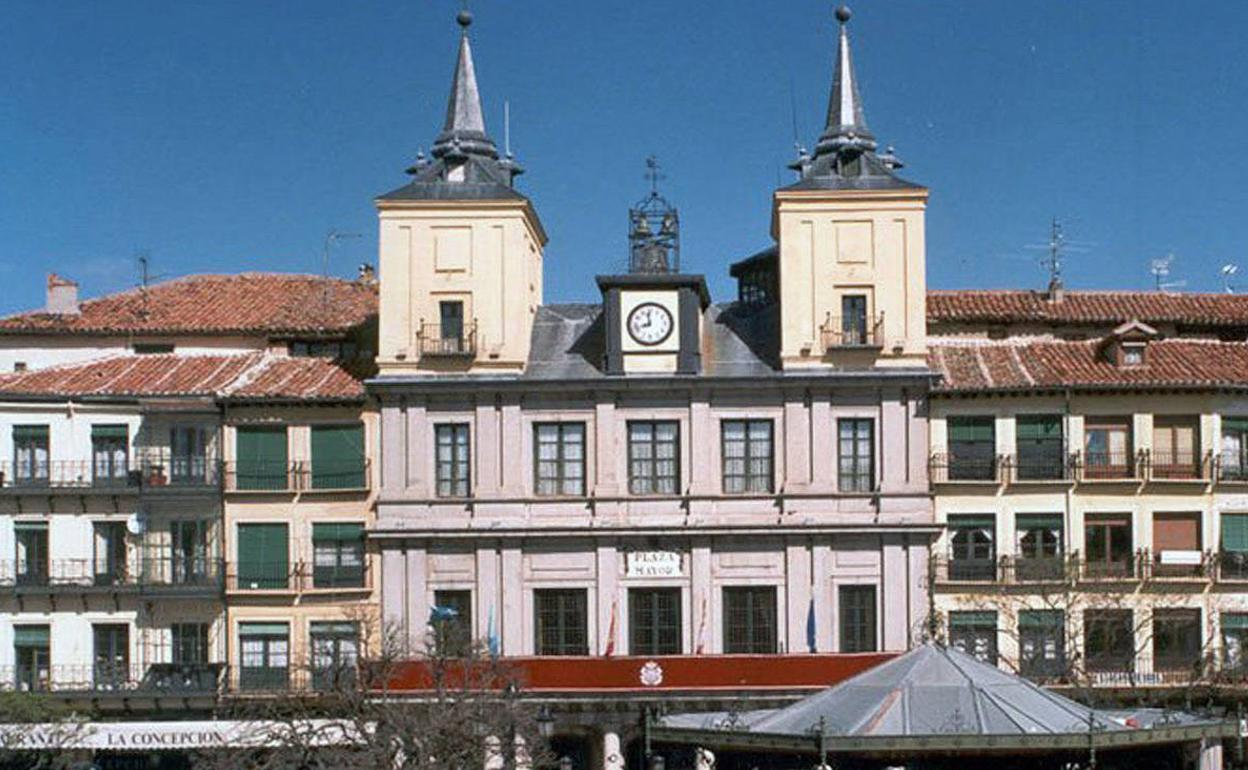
{"type": "Point", "coordinates": [851, 254]}
{"type": "Point", "coordinates": [460, 251]}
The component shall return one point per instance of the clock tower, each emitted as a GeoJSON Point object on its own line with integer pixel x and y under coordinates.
{"type": "Point", "coordinates": [653, 313]}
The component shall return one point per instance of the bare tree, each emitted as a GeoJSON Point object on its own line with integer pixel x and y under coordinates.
{"type": "Point", "coordinates": [461, 709]}
{"type": "Point", "coordinates": [36, 729]}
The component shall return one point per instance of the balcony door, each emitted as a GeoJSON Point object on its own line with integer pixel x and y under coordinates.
{"type": "Point", "coordinates": [188, 559]}
{"type": "Point", "coordinates": [1107, 448]}
{"type": "Point", "coordinates": [1108, 545]}
{"type": "Point", "coordinates": [451, 318]}
{"type": "Point", "coordinates": [110, 553]}
{"type": "Point", "coordinates": [31, 550]}
{"type": "Point", "coordinates": [188, 455]}
{"type": "Point", "coordinates": [112, 654]}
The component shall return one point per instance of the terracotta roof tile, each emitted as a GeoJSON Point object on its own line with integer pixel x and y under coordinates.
{"type": "Point", "coordinates": [1088, 307]}
{"type": "Point", "coordinates": [1050, 364]}
{"type": "Point", "coordinates": [273, 304]}
{"type": "Point", "coordinates": [252, 376]}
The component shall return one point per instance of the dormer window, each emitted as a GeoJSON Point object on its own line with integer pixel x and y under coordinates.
{"type": "Point", "coordinates": [1132, 354]}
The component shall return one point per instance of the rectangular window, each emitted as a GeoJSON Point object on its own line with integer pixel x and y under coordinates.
{"type": "Point", "coordinates": [452, 460]}
{"type": "Point", "coordinates": [30, 454]}
{"type": "Point", "coordinates": [1042, 643]}
{"type": "Point", "coordinates": [335, 652]}
{"type": "Point", "coordinates": [654, 457]}
{"type": "Point", "coordinates": [654, 626]}
{"type": "Point", "coordinates": [972, 547]}
{"type": "Point", "coordinates": [1176, 640]}
{"type": "Point", "coordinates": [1040, 447]}
{"type": "Point", "coordinates": [747, 455]}
{"type": "Point", "coordinates": [264, 653]}
{"type": "Point", "coordinates": [857, 616]}
{"type": "Point", "coordinates": [1108, 545]}
{"type": "Point", "coordinates": [972, 449]}
{"type": "Point", "coordinates": [189, 643]}
{"type": "Point", "coordinates": [974, 633]}
{"type": "Point", "coordinates": [1233, 461]}
{"type": "Point", "coordinates": [112, 655]}
{"type": "Point", "coordinates": [31, 545]}
{"type": "Point", "coordinates": [750, 619]}
{"type": "Point", "coordinates": [451, 316]}
{"type": "Point", "coordinates": [188, 456]}
{"type": "Point", "coordinates": [559, 459]}
{"type": "Point", "coordinates": [338, 457]}
{"type": "Point", "coordinates": [1234, 641]}
{"type": "Point", "coordinates": [263, 557]}
{"type": "Point", "coordinates": [110, 553]}
{"type": "Point", "coordinates": [1107, 452]}
{"type": "Point", "coordinates": [338, 555]}
{"type": "Point", "coordinates": [1109, 640]}
{"type": "Point", "coordinates": [854, 329]}
{"type": "Point", "coordinates": [561, 621]}
{"type": "Point", "coordinates": [1233, 557]}
{"type": "Point", "coordinates": [260, 454]}
{"type": "Point", "coordinates": [188, 556]}
{"type": "Point", "coordinates": [32, 653]}
{"type": "Point", "coordinates": [1176, 447]}
{"type": "Point", "coordinates": [110, 454]}
{"type": "Point", "coordinates": [856, 455]}
{"type": "Point", "coordinates": [452, 621]}
{"type": "Point", "coordinates": [1177, 549]}
{"type": "Point", "coordinates": [1040, 552]}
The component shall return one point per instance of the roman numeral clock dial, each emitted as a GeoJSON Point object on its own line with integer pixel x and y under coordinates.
{"type": "Point", "coordinates": [649, 324]}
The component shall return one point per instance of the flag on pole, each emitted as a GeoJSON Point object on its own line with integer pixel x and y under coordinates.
{"type": "Point", "coordinates": [812, 638]}
{"type": "Point", "coordinates": [610, 649]}
{"type": "Point", "coordinates": [491, 636]}
{"type": "Point", "coordinates": [700, 647]}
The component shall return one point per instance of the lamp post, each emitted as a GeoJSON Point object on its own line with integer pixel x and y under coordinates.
{"type": "Point", "coordinates": [545, 721]}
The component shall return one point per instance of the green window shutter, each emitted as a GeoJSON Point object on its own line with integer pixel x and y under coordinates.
{"type": "Point", "coordinates": [1235, 532]}
{"type": "Point", "coordinates": [263, 629]}
{"type": "Point", "coordinates": [1234, 424]}
{"type": "Point", "coordinates": [263, 556]}
{"type": "Point", "coordinates": [110, 431]}
{"type": "Point", "coordinates": [26, 432]}
{"type": "Point", "coordinates": [338, 456]}
{"type": "Point", "coordinates": [30, 526]}
{"type": "Point", "coordinates": [40, 636]}
{"type": "Point", "coordinates": [971, 429]}
{"type": "Point", "coordinates": [260, 457]}
{"type": "Point", "coordinates": [963, 619]}
{"type": "Point", "coordinates": [1039, 427]}
{"type": "Point", "coordinates": [1040, 619]}
{"type": "Point", "coordinates": [977, 521]}
{"type": "Point", "coordinates": [1039, 521]}
{"type": "Point", "coordinates": [333, 629]}
{"type": "Point", "coordinates": [338, 532]}
{"type": "Point", "coordinates": [1234, 621]}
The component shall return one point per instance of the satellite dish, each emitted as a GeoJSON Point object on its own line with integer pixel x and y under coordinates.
{"type": "Point", "coordinates": [136, 523]}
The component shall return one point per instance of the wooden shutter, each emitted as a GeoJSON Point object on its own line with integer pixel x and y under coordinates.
{"type": "Point", "coordinates": [338, 456]}
{"type": "Point", "coordinates": [263, 556]}
{"type": "Point", "coordinates": [1176, 532]}
{"type": "Point", "coordinates": [1235, 532]}
{"type": "Point", "coordinates": [260, 454]}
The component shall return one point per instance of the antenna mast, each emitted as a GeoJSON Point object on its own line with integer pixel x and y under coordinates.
{"type": "Point", "coordinates": [1057, 252]}
{"type": "Point", "coordinates": [1160, 268]}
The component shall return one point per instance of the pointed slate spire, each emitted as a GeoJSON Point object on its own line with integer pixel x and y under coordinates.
{"type": "Point", "coordinates": [846, 128]}
{"type": "Point", "coordinates": [463, 133]}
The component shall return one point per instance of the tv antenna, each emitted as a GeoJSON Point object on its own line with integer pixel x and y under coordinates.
{"type": "Point", "coordinates": [1160, 268]}
{"type": "Point", "coordinates": [1228, 272]}
{"type": "Point", "coordinates": [1057, 251]}
{"type": "Point", "coordinates": [331, 238]}
{"type": "Point", "coordinates": [144, 258]}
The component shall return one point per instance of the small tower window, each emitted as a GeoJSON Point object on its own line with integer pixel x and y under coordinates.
{"type": "Point", "coordinates": [1133, 354]}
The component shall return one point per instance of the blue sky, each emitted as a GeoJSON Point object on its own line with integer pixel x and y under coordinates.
{"type": "Point", "coordinates": [233, 135]}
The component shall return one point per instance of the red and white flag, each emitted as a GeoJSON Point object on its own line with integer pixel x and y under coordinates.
{"type": "Point", "coordinates": [700, 647]}
{"type": "Point", "coordinates": [610, 650]}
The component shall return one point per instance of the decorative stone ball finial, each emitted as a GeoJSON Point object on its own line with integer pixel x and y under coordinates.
{"type": "Point", "coordinates": [843, 14]}
{"type": "Point", "coordinates": [464, 18]}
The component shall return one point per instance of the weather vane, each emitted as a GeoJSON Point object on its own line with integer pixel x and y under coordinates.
{"type": "Point", "coordinates": [653, 175]}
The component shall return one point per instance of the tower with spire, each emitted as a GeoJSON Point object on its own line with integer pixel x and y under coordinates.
{"type": "Point", "coordinates": [460, 248]}
{"type": "Point", "coordinates": [850, 243]}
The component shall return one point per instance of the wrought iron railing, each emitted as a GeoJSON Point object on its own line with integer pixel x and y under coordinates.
{"type": "Point", "coordinates": [1041, 466]}
{"type": "Point", "coordinates": [944, 468]}
{"type": "Point", "coordinates": [1232, 468]}
{"type": "Point", "coordinates": [163, 468]}
{"type": "Point", "coordinates": [100, 679]}
{"type": "Point", "coordinates": [192, 574]}
{"type": "Point", "coordinates": [1108, 466]}
{"type": "Point", "coordinates": [434, 340]}
{"type": "Point", "coordinates": [68, 474]}
{"type": "Point", "coordinates": [298, 476]}
{"type": "Point", "coordinates": [839, 332]}
{"type": "Point", "coordinates": [296, 576]}
{"type": "Point", "coordinates": [1177, 466]}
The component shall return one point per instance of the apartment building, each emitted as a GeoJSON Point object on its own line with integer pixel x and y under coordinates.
{"type": "Point", "coordinates": [130, 482]}
{"type": "Point", "coordinates": [624, 483]}
{"type": "Point", "coordinates": [1088, 463]}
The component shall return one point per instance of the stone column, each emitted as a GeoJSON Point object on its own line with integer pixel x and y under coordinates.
{"type": "Point", "coordinates": [493, 753]}
{"type": "Point", "coordinates": [1211, 754]}
{"type": "Point", "coordinates": [703, 759]}
{"type": "Point", "coordinates": [613, 756]}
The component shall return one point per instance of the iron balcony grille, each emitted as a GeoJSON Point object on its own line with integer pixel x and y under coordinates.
{"type": "Point", "coordinates": [297, 576]}
{"type": "Point", "coordinates": [167, 575]}
{"type": "Point", "coordinates": [156, 679]}
{"type": "Point", "coordinates": [1109, 466]}
{"type": "Point", "coordinates": [1041, 466]}
{"type": "Point", "coordinates": [437, 341]}
{"type": "Point", "coordinates": [1177, 466]}
{"type": "Point", "coordinates": [948, 468]}
{"type": "Point", "coordinates": [298, 476]}
{"type": "Point", "coordinates": [162, 468]}
{"type": "Point", "coordinates": [1232, 468]}
{"type": "Point", "coordinates": [839, 332]}
{"type": "Point", "coordinates": [68, 474]}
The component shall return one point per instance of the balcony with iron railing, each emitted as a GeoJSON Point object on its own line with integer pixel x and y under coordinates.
{"type": "Point", "coordinates": [946, 468]}
{"type": "Point", "coordinates": [1231, 468]}
{"type": "Point", "coordinates": [1040, 467]}
{"type": "Point", "coordinates": [852, 332]}
{"type": "Point", "coordinates": [150, 470]}
{"type": "Point", "coordinates": [298, 476]}
{"type": "Point", "coordinates": [163, 470]}
{"type": "Point", "coordinates": [1109, 466]}
{"type": "Point", "coordinates": [297, 577]}
{"type": "Point", "coordinates": [1189, 467]}
{"type": "Point", "coordinates": [193, 577]}
{"type": "Point", "coordinates": [437, 341]}
{"type": "Point", "coordinates": [1008, 570]}
{"type": "Point", "coordinates": [153, 680]}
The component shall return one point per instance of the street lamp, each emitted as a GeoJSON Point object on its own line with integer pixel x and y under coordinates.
{"type": "Point", "coordinates": [545, 721]}
{"type": "Point", "coordinates": [565, 762]}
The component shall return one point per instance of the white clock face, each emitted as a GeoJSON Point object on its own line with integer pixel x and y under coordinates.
{"type": "Point", "coordinates": [649, 323]}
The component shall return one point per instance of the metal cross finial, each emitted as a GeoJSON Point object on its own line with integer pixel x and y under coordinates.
{"type": "Point", "coordinates": [653, 174]}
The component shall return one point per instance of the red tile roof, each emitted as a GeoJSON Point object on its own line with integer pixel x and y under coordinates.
{"type": "Point", "coordinates": [1049, 365]}
{"type": "Point", "coordinates": [272, 304]}
{"type": "Point", "coordinates": [251, 376]}
{"type": "Point", "coordinates": [1087, 307]}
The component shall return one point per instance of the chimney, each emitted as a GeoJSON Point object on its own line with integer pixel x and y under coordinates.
{"type": "Point", "coordinates": [368, 274]}
{"type": "Point", "coordinates": [62, 296]}
{"type": "Point", "coordinates": [1057, 292]}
